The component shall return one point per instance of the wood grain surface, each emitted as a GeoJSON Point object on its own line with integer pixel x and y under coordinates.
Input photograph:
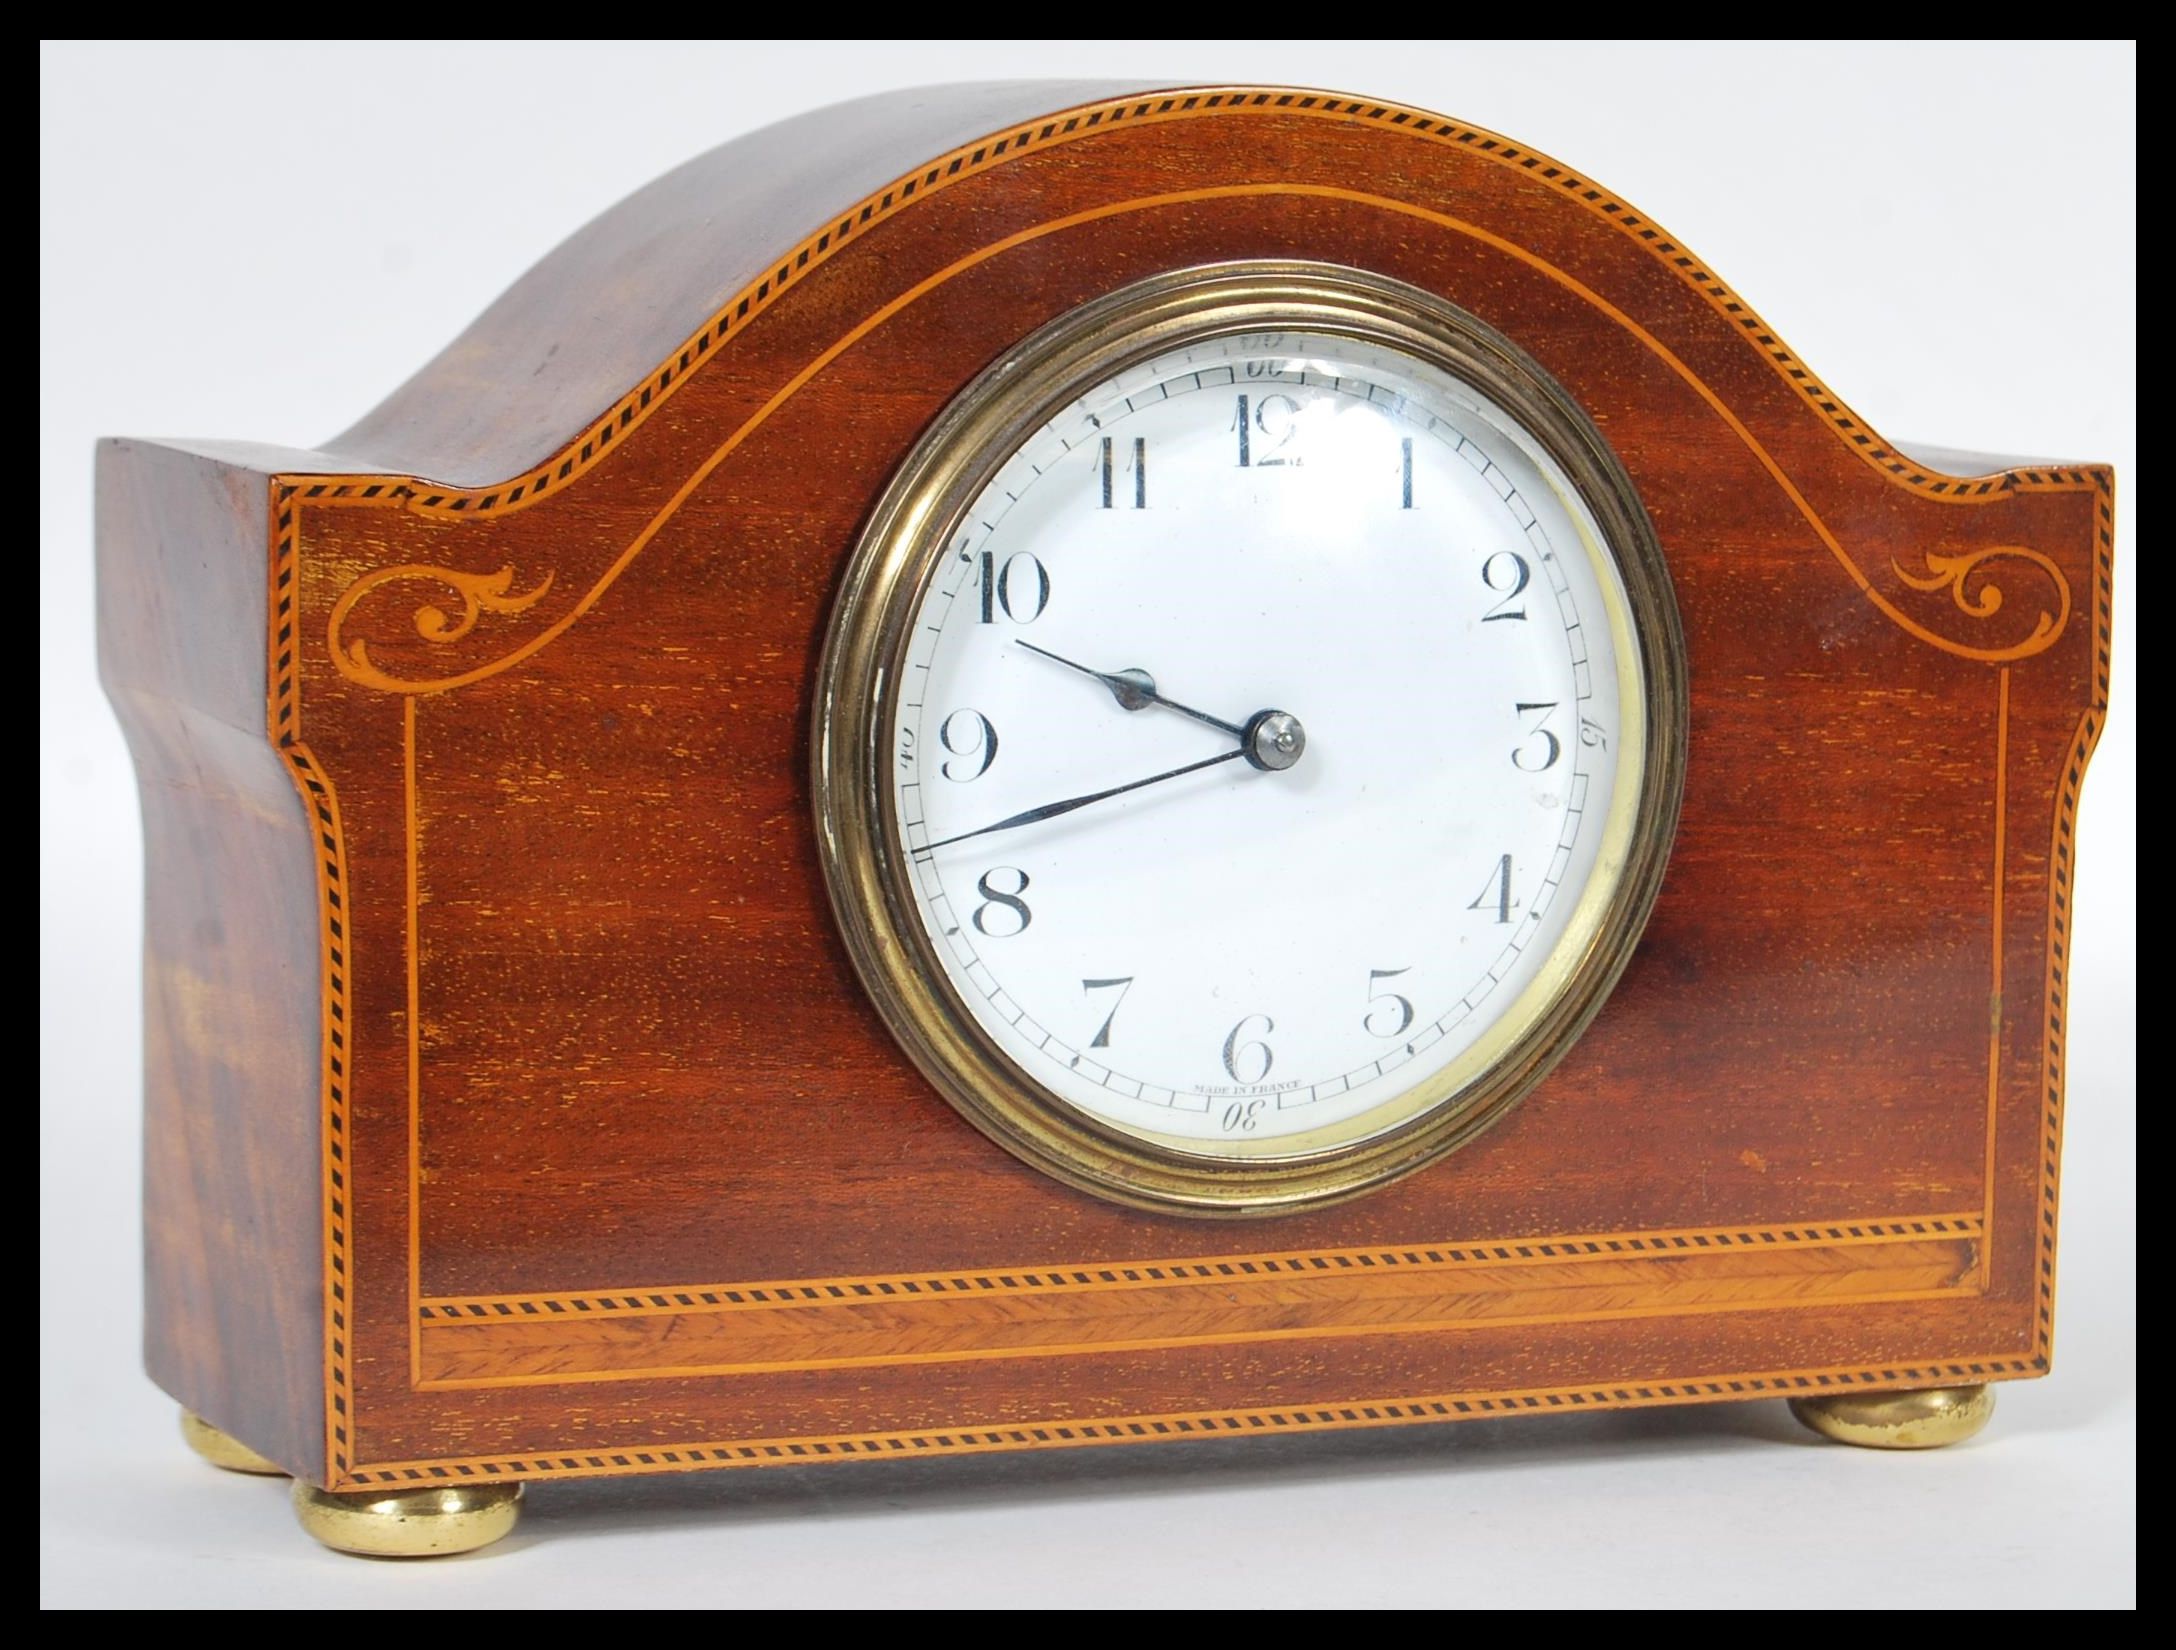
{"type": "Point", "coordinates": [605, 1163]}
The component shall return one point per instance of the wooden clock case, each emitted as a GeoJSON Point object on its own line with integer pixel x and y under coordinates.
{"type": "Point", "coordinates": [513, 1112]}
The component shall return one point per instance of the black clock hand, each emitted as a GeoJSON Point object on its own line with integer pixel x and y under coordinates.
{"type": "Point", "coordinates": [1134, 688]}
{"type": "Point", "coordinates": [1051, 810]}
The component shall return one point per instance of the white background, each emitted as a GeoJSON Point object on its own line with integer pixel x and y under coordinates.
{"type": "Point", "coordinates": [260, 241]}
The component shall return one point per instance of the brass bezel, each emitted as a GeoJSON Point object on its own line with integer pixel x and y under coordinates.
{"type": "Point", "coordinates": [856, 682]}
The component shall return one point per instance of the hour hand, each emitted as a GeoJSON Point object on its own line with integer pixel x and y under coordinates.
{"type": "Point", "coordinates": [1135, 689]}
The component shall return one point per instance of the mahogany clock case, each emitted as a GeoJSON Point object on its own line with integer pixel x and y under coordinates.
{"type": "Point", "coordinates": [512, 1108]}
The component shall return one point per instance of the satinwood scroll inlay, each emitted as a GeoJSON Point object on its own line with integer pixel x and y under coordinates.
{"type": "Point", "coordinates": [1966, 575]}
{"type": "Point", "coordinates": [478, 593]}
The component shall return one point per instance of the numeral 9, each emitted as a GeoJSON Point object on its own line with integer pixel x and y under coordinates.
{"type": "Point", "coordinates": [976, 740]}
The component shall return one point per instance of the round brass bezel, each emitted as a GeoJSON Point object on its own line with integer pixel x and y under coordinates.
{"type": "Point", "coordinates": [856, 691]}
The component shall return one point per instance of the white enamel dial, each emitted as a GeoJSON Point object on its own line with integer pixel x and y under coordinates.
{"type": "Point", "coordinates": [1240, 937]}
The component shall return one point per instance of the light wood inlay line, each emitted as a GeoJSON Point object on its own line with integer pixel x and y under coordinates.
{"type": "Point", "coordinates": [649, 395]}
{"type": "Point", "coordinates": [1994, 1001]}
{"type": "Point", "coordinates": [413, 943]}
{"type": "Point", "coordinates": [350, 655]}
{"type": "Point", "coordinates": [871, 322]}
{"type": "Point", "coordinates": [526, 1350]}
{"type": "Point", "coordinates": [1092, 1277]}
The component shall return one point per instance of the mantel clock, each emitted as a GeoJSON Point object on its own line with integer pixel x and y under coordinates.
{"type": "Point", "coordinates": [1224, 762]}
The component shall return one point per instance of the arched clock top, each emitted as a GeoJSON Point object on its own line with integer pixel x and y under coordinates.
{"type": "Point", "coordinates": [389, 630]}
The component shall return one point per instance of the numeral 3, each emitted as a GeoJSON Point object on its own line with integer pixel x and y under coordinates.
{"type": "Point", "coordinates": [1552, 747]}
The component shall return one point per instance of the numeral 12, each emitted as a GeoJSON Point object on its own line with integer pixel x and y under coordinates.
{"type": "Point", "coordinates": [1275, 419]}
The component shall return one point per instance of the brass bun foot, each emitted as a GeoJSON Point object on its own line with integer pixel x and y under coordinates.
{"type": "Point", "coordinates": [418, 1523]}
{"type": "Point", "coordinates": [1926, 1419]}
{"type": "Point", "coordinates": [223, 1451]}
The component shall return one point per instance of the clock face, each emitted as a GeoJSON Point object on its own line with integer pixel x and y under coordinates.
{"type": "Point", "coordinates": [1262, 746]}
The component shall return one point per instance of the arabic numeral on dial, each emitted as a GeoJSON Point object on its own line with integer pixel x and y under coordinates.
{"type": "Point", "coordinates": [1002, 900]}
{"type": "Point", "coordinates": [906, 748]}
{"type": "Point", "coordinates": [1020, 593]}
{"type": "Point", "coordinates": [1240, 1116]}
{"type": "Point", "coordinates": [1138, 468]}
{"type": "Point", "coordinates": [1591, 734]}
{"type": "Point", "coordinates": [1240, 1049]}
{"type": "Point", "coordinates": [1387, 1002]}
{"type": "Point", "coordinates": [1530, 757]}
{"type": "Point", "coordinates": [1495, 893]}
{"type": "Point", "coordinates": [1120, 984]}
{"type": "Point", "coordinates": [1505, 572]}
{"type": "Point", "coordinates": [1269, 427]}
{"type": "Point", "coordinates": [974, 741]}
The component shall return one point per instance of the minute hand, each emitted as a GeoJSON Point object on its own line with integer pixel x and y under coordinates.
{"type": "Point", "coordinates": [1051, 810]}
{"type": "Point", "coordinates": [1134, 688]}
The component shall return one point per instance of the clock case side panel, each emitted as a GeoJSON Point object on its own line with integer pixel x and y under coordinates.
{"type": "Point", "coordinates": [234, 1283]}
{"type": "Point", "coordinates": [2071, 704]}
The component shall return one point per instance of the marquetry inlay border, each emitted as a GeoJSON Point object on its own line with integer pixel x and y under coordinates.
{"type": "Point", "coordinates": [1964, 575]}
